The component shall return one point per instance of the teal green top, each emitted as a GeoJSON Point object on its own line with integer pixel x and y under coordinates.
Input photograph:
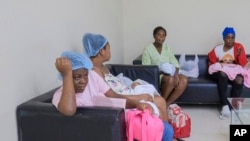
{"type": "Point", "coordinates": [151, 56]}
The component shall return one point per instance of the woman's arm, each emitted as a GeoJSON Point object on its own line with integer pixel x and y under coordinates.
{"type": "Point", "coordinates": [132, 101]}
{"type": "Point", "coordinates": [67, 103]}
{"type": "Point", "coordinates": [212, 57]}
{"type": "Point", "coordinates": [241, 54]}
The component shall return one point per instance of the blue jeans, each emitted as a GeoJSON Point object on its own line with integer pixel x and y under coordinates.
{"type": "Point", "coordinates": [168, 132]}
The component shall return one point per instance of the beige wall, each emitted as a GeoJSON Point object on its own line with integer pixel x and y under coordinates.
{"type": "Point", "coordinates": [33, 33]}
{"type": "Point", "coordinates": [193, 26]}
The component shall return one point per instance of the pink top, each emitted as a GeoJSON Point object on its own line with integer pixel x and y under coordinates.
{"type": "Point", "coordinates": [96, 87]}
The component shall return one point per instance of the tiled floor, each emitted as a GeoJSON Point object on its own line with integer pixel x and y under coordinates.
{"type": "Point", "coordinates": [205, 123]}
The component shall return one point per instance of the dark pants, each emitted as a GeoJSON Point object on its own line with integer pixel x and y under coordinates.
{"type": "Point", "coordinates": [222, 82]}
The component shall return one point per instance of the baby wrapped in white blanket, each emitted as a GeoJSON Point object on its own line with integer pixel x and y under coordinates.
{"type": "Point", "coordinates": [140, 86]}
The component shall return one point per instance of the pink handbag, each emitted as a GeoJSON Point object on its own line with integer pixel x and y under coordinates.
{"type": "Point", "coordinates": [143, 126]}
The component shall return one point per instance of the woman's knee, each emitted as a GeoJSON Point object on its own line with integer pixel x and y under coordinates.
{"type": "Point", "coordinates": [167, 82]}
{"type": "Point", "coordinates": [183, 81]}
{"type": "Point", "coordinates": [239, 80]}
{"type": "Point", "coordinates": [222, 75]}
{"type": "Point", "coordinates": [167, 79]}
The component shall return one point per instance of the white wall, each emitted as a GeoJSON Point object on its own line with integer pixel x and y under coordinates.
{"type": "Point", "coordinates": [193, 26]}
{"type": "Point", "coordinates": [34, 33]}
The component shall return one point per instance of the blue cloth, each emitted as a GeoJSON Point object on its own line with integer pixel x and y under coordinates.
{"type": "Point", "coordinates": [168, 132]}
{"type": "Point", "coordinates": [93, 43]}
{"type": "Point", "coordinates": [227, 31]}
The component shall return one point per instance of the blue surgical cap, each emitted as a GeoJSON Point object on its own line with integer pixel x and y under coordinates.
{"type": "Point", "coordinates": [227, 31]}
{"type": "Point", "coordinates": [93, 43]}
{"type": "Point", "coordinates": [77, 61]}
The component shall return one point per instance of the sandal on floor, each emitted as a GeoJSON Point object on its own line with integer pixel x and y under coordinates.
{"type": "Point", "coordinates": [180, 140]}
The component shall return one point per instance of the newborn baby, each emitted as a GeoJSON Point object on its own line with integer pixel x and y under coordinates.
{"type": "Point", "coordinates": [227, 59]}
{"type": "Point", "coordinates": [140, 86]}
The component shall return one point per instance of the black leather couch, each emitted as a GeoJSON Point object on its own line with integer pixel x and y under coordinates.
{"type": "Point", "coordinates": [201, 90]}
{"type": "Point", "coordinates": [39, 120]}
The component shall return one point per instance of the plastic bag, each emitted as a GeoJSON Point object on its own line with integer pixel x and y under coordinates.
{"type": "Point", "coordinates": [189, 68]}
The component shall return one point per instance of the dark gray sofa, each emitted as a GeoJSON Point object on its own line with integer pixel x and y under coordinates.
{"type": "Point", "coordinates": [201, 90]}
{"type": "Point", "coordinates": [39, 120]}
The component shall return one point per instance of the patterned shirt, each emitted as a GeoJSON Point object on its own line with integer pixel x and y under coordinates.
{"type": "Point", "coordinates": [116, 84]}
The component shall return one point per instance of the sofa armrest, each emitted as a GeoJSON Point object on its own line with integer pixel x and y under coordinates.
{"type": "Point", "coordinates": [138, 60]}
{"type": "Point", "coordinates": [149, 73]}
{"type": "Point", "coordinates": [39, 120]}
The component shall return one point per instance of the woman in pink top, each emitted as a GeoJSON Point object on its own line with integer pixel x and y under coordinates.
{"type": "Point", "coordinates": [98, 49]}
{"type": "Point", "coordinates": [80, 83]}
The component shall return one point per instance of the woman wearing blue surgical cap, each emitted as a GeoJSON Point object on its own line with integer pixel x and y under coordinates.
{"type": "Point", "coordinates": [80, 83]}
{"type": "Point", "coordinates": [97, 48]}
{"type": "Point", "coordinates": [233, 52]}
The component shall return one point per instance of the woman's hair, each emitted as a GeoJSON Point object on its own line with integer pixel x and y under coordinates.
{"type": "Point", "coordinates": [157, 29]}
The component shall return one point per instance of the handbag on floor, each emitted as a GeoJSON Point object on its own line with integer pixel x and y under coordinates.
{"type": "Point", "coordinates": [180, 121]}
{"type": "Point", "coordinates": [143, 126]}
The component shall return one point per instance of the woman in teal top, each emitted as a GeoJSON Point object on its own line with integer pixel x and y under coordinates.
{"type": "Point", "coordinates": [157, 53]}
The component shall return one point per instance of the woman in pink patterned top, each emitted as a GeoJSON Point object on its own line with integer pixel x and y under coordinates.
{"type": "Point", "coordinates": [98, 49]}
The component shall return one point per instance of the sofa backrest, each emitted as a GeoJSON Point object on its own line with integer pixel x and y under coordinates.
{"type": "Point", "coordinates": [203, 62]}
{"type": "Point", "coordinates": [149, 73]}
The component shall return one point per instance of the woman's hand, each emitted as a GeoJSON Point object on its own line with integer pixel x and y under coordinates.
{"type": "Point", "coordinates": [247, 66]}
{"type": "Point", "coordinates": [176, 79]}
{"type": "Point", "coordinates": [143, 106]}
{"type": "Point", "coordinates": [63, 65]}
{"type": "Point", "coordinates": [146, 97]}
